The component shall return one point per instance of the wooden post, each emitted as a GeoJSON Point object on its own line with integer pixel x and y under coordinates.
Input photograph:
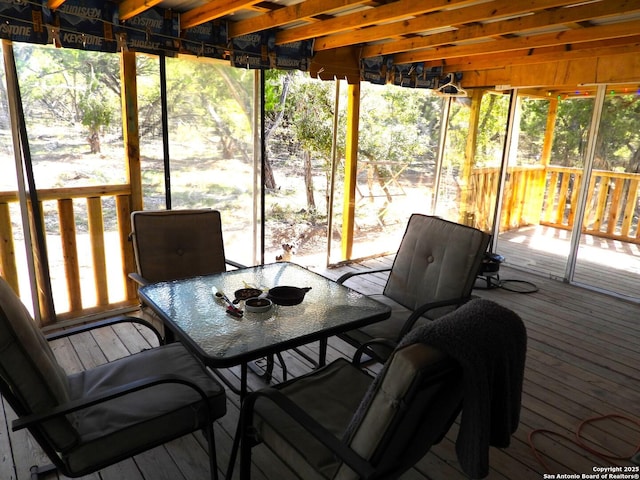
{"type": "Point", "coordinates": [8, 268]}
{"type": "Point", "coordinates": [350, 170]}
{"type": "Point", "coordinates": [130, 127]}
{"type": "Point", "coordinates": [96, 234]}
{"type": "Point", "coordinates": [70, 253]}
{"type": "Point", "coordinates": [540, 185]}
{"type": "Point", "coordinates": [123, 212]}
{"type": "Point", "coordinates": [549, 131]}
{"type": "Point", "coordinates": [467, 216]}
{"type": "Point", "coordinates": [134, 171]}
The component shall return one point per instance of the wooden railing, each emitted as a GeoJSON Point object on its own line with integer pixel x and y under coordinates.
{"type": "Point", "coordinates": [522, 198]}
{"type": "Point", "coordinates": [533, 195]}
{"type": "Point", "coordinates": [612, 202]}
{"type": "Point", "coordinates": [548, 196]}
{"type": "Point", "coordinates": [65, 228]}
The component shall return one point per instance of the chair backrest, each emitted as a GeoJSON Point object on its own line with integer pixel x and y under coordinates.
{"type": "Point", "coordinates": [174, 244]}
{"type": "Point", "coordinates": [471, 360]}
{"type": "Point", "coordinates": [437, 260]}
{"type": "Point", "coordinates": [30, 377]}
{"type": "Point", "coordinates": [409, 408]}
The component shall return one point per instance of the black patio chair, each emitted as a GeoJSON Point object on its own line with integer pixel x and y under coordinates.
{"type": "Point", "coordinates": [338, 422]}
{"type": "Point", "coordinates": [89, 420]}
{"type": "Point", "coordinates": [175, 244]}
{"type": "Point", "coordinates": [433, 273]}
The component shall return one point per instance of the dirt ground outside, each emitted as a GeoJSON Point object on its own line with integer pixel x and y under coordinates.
{"type": "Point", "coordinates": [61, 159]}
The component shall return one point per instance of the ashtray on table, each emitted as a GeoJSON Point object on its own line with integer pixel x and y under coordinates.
{"type": "Point", "coordinates": [257, 305]}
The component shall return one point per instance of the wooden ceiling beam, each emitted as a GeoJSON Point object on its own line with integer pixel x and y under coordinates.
{"type": "Point", "coordinates": [432, 21]}
{"type": "Point", "coordinates": [394, 11]}
{"type": "Point", "coordinates": [130, 8]}
{"type": "Point", "coordinates": [595, 49]}
{"type": "Point", "coordinates": [566, 37]}
{"type": "Point", "coordinates": [213, 10]}
{"type": "Point", "coordinates": [599, 67]}
{"type": "Point", "coordinates": [342, 63]}
{"type": "Point", "coordinates": [53, 4]}
{"type": "Point", "coordinates": [621, 56]}
{"type": "Point", "coordinates": [542, 19]}
{"type": "Point", "coordinates": [265, 6]}
{"type": "Point", "coordinates": [299, 11]}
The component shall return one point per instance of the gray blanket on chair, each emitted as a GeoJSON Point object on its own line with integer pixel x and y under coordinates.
{"type": "Point", "coordinates": [489, 342]}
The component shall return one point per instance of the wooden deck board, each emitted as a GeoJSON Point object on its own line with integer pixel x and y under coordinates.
{"type": "Point", "coordinates": [607, 264]}
{"type": "Point", "coordinates": [582, 362]}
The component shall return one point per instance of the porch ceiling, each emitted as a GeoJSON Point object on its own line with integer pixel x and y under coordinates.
{"type": "Point", "coordinates": [484, 39]}
{"type": "Point", "coordinates": [493, 43]}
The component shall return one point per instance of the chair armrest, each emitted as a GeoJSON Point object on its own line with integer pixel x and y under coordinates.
{"type": "Point", "coordinates": [365, 349]}
{"type": "Point", "coordinates": [234, 264]}
{"type": "Point", "coordinates": [110, 394]}
{"type": "Point", "coordinates": [104, 323]}
{"type": "Point", "coordinates": [139, 279]}
{"type": "Point", "coordinates": [328, 439]}
{"type": "Point", "coordinates": [348, 275]}
{"type": "Point", "coordinates": [422, 309]}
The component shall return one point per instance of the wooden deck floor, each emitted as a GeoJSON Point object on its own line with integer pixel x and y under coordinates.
{"type": "Point", "coordinates": [582, 362]}
{"type": "Point", "coordinates": [606, 264]}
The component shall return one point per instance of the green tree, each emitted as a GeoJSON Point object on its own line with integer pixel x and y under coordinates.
{"type": "Point", "coordinates": [533, 124]}
{"type": "Point", "coordinates": [213, 103]}
{"type": "Point", "coordinates": [277, 86]}
{"type": "Point", "coordinates": [95, 109]}
{"type": "Point", "coordinates": [70, 87]}
{"type": "Point", "coordinates": [618, 145]}
{"type": "Point", "coordinates": [571, 131]}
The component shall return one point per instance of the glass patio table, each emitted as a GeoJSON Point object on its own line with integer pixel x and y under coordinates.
{"type": "Point", "coordinates": [200, 321]}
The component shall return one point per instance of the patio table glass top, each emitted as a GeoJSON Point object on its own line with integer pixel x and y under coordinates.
{"type": "Point", "coordinates": [189, 308]}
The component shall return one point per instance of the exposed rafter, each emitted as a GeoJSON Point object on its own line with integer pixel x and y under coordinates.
{"type": "Point", "coordinates": [53, 4]}
{"type": "Point", "coordinates": [566, 37]}
{"type": "Point", "coordinates": [212, 11]}
{"type": "Point", "coordinates": [485, 39]}
{"type": "Point", "coordinates": [131, 8]}
{"type": "Point", "coordinates": [293, 13]}
{"type": "Point", "coordinates": [479, 31]}
{"type": "Point", "coordinates": [394, 11]}
{"type": "Point", "coordinates": [474, 14]}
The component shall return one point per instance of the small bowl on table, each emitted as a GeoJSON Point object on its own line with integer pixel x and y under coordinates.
{"type": "Point", "coordinates": [258, 304]}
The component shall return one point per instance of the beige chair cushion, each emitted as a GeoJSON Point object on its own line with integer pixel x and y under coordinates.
{"type": "Point", "coordinates": [26, 361]}
{"type": "Point", "coordinates": [330, 396]}
{"type": "Point", "coordinates": [173, 244]}
{"type": "Point", "coordinates": [390, 328]}
{"type": "Point", "coordinates": [148, 417]}
{"type": "Point", "coordinates": [386, 403]}
{"type": "Point", "coordinates": [347, 402]}
{"type": "Point", "coordinates": [437, 260]}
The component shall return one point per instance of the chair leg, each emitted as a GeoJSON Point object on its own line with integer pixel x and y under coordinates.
{"type": "Point", "coordinates": [36, 471]}
{"type": "Point", "coordinates": [234, 449]}
{"type": "Point", "coordinates": [284, 367]}
{"type": "Point", "coordinates": [243, 441]}
{"type": "Point", "coordinates": [266, 374]}
{"type": "Point", "coordinates": [245, 456]}
{"type": "Point", "coordinates": [213, 461]}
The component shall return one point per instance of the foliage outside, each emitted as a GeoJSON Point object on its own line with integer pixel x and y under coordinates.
{"type": "Point", "coordinates": [72, 105]}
